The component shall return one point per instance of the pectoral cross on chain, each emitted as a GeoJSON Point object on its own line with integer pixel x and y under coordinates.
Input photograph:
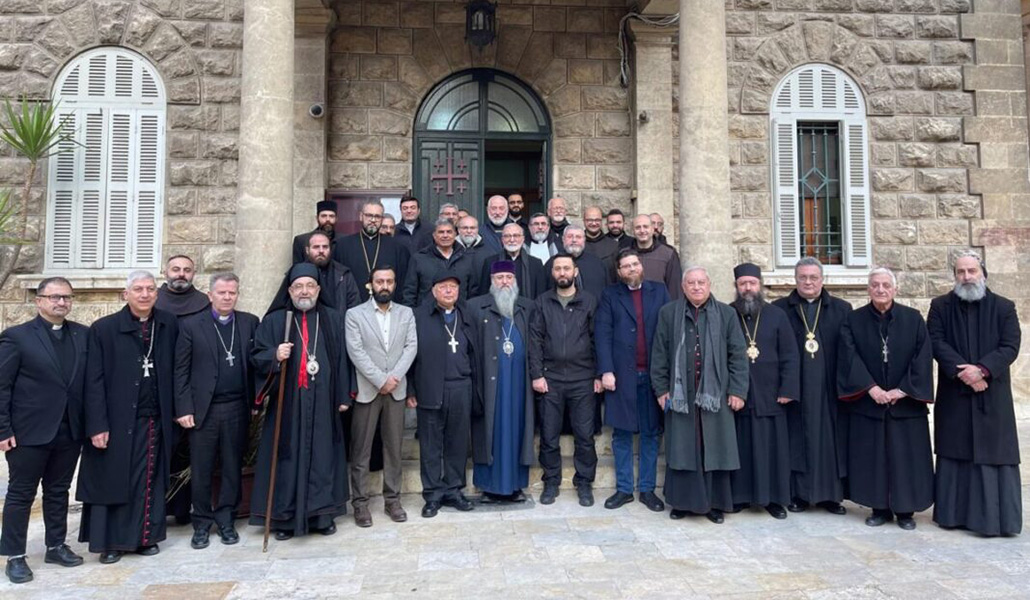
{"type": "Point", "coordinates": [229, 358]}
{"type": "Point", "coordinates": [454, 345]}
{"type": "Point", "coordinates": [885, 352]}
{"type": "Point", "coordinates": [147, 365]}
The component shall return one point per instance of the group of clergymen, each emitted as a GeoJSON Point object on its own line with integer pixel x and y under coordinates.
{"type": "Point", "coordinates": [787, 405]}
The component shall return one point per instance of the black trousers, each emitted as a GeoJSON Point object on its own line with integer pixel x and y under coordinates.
{"type": "Point", "coordinates": [221, 439]}
{"type": "Point", "coordinates": [443, 439]}
{"type": "Point", "coordinates": [578, 397]}
{"type": "Point", "coordinates": [54, 465]}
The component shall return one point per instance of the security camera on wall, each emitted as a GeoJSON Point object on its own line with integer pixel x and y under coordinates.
{"type": "Point", "coordinates": [317, 110]}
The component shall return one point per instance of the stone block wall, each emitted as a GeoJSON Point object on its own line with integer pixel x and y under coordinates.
{"type": "Point", "coordinates": [385, 57]}
{"type": "Point", "coordinates": [195, 46]}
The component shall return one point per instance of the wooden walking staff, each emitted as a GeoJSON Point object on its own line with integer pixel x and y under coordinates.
{"type": "Point", "coordinates": [275, 434]}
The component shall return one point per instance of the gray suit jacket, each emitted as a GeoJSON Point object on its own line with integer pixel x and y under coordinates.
{"type": "Point", "coordinates": [372, 361]}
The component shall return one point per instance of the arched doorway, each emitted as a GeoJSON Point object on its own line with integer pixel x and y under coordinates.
{"type": "Point", "coordinates": [478, 133]}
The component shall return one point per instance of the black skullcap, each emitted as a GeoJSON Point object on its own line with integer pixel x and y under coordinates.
{"type": "Point", "coordinates": [747, 270]}
{"type": "Point", "coordinates": [304, 269]}
{"type": "Point", "coordinates": [324, 205]}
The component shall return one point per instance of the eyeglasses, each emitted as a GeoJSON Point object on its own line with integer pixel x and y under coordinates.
{"type": "Point", "coordinates": [372, 217]}
{"type": "Point", "coordinates": [512, 236]}
{"type": "Point", "coordinates": [57, 298]}
{"type": "Point", "coordinates": [809, 278]}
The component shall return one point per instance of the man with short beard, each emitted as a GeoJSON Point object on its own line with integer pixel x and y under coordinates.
{"type": "Point", "coordinates": [496, 219]}
{"type": "Point", "coordinates": [543, 244]}
{"type": "Point", "coordinates": [381, 342]}
{"type": "Point", "coordinates": [529, 271]}
{"type": "Point", "coordinates": [411, 234]}
{"type": "Point", "coordinates": [563, 368]}
{"type": "Point", "coordinates": [762, 440]}
{"type": "Point", "coordinates": [658, 222]}
{"type": "Point", "coordinates": [516, 208]}
{"type": "Point", "coordinates": [325, 212]}
{"type": "Point", "coordinates": [661, 261]}
{"type": "Point", "coordinates": [367, 249]}
{"type": "Point", "coordinates": [976, 337]}
{"type": "Point", "coordinates": [450, 212]}
{"type": "Point", "coordinates": [615, 221]}
{"type": "Point", "coordinates": [389, 226]}
{"type": "Point", "coordinates": [600, 245]}
{"type": "Point", "coordinates": [177, 295]}
{"type": "Point", "coordinates": [337, 286]}
{"type": "Point", "coordinates": [475, 248]}
{"type": "Point", "coordinates": [502, 431]}
{"type": "Point", "coordinates": [311, 475]}
{"type": "Point", "coordinates": [557, 218]}
{"type": "Point", "coordinates": [443, 256]}
{"type": "Point", "coordinates": [591, 274]}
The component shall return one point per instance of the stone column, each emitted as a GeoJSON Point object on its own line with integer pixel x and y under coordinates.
{"type": "Point", "coordinates": [705, 223]}
{"type": "Point", "coordinates": [652, 96]}
{"type": "Point", "coordinates": [264, 211]}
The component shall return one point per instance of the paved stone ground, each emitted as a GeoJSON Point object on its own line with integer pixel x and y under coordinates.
{"type": "Point", "coordinates": [565, 551]}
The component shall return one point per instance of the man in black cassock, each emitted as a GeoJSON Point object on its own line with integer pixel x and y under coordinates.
{"type": "Point", "coordinates": [311, 487]}
{"type": "Point", "coordinates": [123, 476]}
{"type": "Point", "coordinates": [700, 376]}
{"type": "Point", "coordinates": [502, 434]}
{"type": "Point", "coordinates": [762, 439]}
{"type": "Point", "coordinates": [529, 271]}
{"type": "Point", "coordinates": [368, 248]}
{"type": "Point", "coordinates": [325, 212]}
{"type": "Point", "coordinates": [817, 458]}
{"type": "Point", "coordinates": [338, 288]}
{"type": "Point", "coordinates": [179, 297]}
{"type": "Point", "coordinates": [883, 374]}
{"type": "Point", "coordinates": [443, 384]}
{"type": "Point", "coordinates": [592, 274]}
{"type": "Point", "coordinates": [975, 335]}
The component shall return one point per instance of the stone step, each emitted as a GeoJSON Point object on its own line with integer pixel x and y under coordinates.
{"type": "Point", "coordinates": [602, 444]}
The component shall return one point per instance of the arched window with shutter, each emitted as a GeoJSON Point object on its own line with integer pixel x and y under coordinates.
{"type": "Point", "coordinates": [105, 195]}
{"type": "Point", "coordinates": [820, 178]}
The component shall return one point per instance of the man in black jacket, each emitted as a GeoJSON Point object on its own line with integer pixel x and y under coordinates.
{"type": "Point", "coordinates": [326, 215]}
{"type": "Point", "coordinates": [592, 275]}
{"type": "Point", "coordinates": [41, 372]}
{"type": "Point", "coordinates": [563, 367]}
{"type": "Point", "coordinates": [442, 385]}
{"type": "Point", "coordinates": [128, 406]}
{"type": "Point", "coordinates": [410, 232]}
{"type": "Point", "coordinates": [443, 256]}
{"type": "Point", "coordinates": [529, 271]}
{"type": "Point", "coordinates": [213, 390]}
{"type": "Point", "coordinates": [338, 288]}
{"type": "Point", "coordinates": [367, 249]}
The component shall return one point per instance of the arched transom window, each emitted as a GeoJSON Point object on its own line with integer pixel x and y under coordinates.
{"type": "Point", "coordinates": [105, 194]}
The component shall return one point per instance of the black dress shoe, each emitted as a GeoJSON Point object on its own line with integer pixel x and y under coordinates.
{"type": "Point", "coordinates": [549, 494]}
{"type": "Point", "coordinates": [328, 530]}
{"type": "Point", "coordinates": [201, 539]}
{"type": "Point", "coordinates": [18, 570]}
{"type": "Point", "coordinates": [677, 514]}
{"type": "Point", "coordinates": [879, 518]}
{"type": "Point", "coordinates": [283, 535]}
{"type": "Point", "coordinates": [651, 501]}
{"type": "Point", "coordinates": [111, 557]}
{"type": "Point", "coordinates": [488, 498]}
{"type": "Point", "coordinates": [148, 550]}
{"type": "Point", "coordinates": [797, 506]}
{"type": "Point", "coordinates": [617, 500]}
{"type": "Point", "coordinates": [517, 497]}
{"type": "Point", "coordinates": [906, 522]}
{"type": "Point", "coordinates": [586, 495]}
{"type": "Point", "coordinates": [430, 509]}
{"type": "Point", "coordinates": [228, 535]}
{"type": "Point", "coordinates": [62, 555]}
{"type": "Point", "coordinates": [835, 508]}
{"type": "Point", "coordinates": [715, 516]}
{"type": "Point", "coordinates": [776, 511]}
{"type": "Point", "coordinates": [459, 502]}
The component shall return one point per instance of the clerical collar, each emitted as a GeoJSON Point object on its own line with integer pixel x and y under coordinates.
{"type": "Point", "coordinates": [593, 238]}
{"type": "Point", "coordinates": [369, 237]}
{"type": "Point", "coordinates": [633, 289]}
{"type": "Point", "coordinates": [53, 326]}
{"type": "Point", "coordinates": [223, 320]}
{"type": "Point", "coordinates": [513, 255]}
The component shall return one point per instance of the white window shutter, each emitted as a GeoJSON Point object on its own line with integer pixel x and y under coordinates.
{"type": "Point", "coordinates": [105, 197]}
{"type": "Point", "coordinates": [785, 193]}
{"type": "Point", "coordinates": [857, 242]}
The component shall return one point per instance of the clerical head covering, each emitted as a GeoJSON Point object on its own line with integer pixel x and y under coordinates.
{"type": "Point", "coordinates": [303, 269]}
{"type": "Point", "coordinates": [324, 205]}
{"type": "Point", "coordinates": [747, 270]}
{"type": "Point", "coordinates": [502, 266]}
{"type": "Point", "coordinates": [446, 276]}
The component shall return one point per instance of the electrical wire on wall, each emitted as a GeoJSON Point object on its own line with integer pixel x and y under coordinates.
{"type": "Point", "coordinates": [666, 21]}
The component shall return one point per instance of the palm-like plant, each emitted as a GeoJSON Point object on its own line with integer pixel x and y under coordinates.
{"type": "Point", "coordinates": [34, 133]}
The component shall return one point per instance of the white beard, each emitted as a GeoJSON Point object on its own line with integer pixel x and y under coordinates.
{"type": "Point", "coordinates": [505, 299]}
{"type": "Point", "coordinates": [539, 238]}
{"type": "Point", "coordinates": [500, 223]}
{"type": "Point", "coordinates": [971, 292]}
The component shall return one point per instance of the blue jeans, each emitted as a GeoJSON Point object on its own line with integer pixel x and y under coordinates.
{"type": "Point", "coordinates": [622, 445]}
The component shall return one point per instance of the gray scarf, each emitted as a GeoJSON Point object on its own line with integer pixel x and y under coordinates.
{"type": "Point", "coordinates": [711, 389]}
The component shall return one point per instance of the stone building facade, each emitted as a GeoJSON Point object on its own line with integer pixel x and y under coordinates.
{"type": "Point", "coordinates": [693, 134]}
